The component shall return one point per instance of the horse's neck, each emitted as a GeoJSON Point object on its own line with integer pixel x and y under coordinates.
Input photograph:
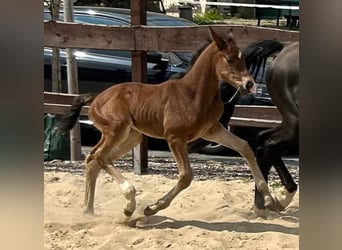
{"type": "Point", "coordinates": [202, 78]}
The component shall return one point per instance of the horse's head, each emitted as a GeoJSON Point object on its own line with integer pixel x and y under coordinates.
{"type": "Point", "coordinates": [230, 63]}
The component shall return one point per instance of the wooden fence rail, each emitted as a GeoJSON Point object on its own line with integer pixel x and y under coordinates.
{"type": "Point", "coordinates": [148, 38]}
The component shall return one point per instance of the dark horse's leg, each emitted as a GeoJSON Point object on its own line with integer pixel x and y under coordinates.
{"type": "Point", "coordinates": [265, 165]}
{"type": "Point", "coordinates": [283, 87]}
{"type": "Point", "coordinates": [276, 141]}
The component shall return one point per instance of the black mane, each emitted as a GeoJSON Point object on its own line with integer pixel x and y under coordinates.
{"type": "Point", "coordinates": [257, 53]}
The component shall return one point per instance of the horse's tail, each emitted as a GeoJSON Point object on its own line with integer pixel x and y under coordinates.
{"type": "Point", "coordinates": [68, 120]}
{"type": "Point", "coordinates": [257, 53]}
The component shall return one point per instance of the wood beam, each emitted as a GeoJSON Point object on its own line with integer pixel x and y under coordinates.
{"type": "Point", "coordinates": [139, 74]}
{"type": "Point", "coordinates": [177, 39]}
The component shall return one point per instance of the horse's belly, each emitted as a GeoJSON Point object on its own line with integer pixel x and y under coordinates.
{"type": "Point", "coordinates": [151, 131]}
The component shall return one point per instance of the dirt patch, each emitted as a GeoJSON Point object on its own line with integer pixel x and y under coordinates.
{"type": "Point", "coordinates": [213, 213]}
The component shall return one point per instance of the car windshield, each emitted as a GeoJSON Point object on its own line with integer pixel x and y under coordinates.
{"type": "Point", "coordinates": [261, 89]}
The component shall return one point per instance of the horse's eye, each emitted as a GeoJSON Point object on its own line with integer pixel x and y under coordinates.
{"type": "Point", "coordinates": [229, 59]}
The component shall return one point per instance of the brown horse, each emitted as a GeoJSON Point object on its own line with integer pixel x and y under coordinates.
{"type": "Point", "coordinates": [178, 110]}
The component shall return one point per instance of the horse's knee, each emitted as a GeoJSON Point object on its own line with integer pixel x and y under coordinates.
{"type": "Point", "coordinates": [246, 150]}
{"type": "Point", "coordinates": [185, 180]}
{"type": "Point", "coordinates": [263, 135]}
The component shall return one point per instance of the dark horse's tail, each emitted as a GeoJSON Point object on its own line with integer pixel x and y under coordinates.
{"type": "Point", "coordinates": [68, 120]}
{"type": "Point", "coordinates": [257, 53]}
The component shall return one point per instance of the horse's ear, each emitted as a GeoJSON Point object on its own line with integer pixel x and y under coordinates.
{"type": "Point", "coordinates": [231, 40]}
{"type": "Point", "coordinates": [220, 43]}
{"type": "Point", "coordinates": [230, 36]}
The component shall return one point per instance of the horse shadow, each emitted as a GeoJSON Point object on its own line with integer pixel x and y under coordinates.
{"type": "Point", "coordinates": [165, 222]}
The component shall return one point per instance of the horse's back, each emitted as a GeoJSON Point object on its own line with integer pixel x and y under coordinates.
{"type": "Point", "coordinates": [287, 61]}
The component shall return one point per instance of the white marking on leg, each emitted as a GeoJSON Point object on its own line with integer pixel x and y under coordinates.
{"type": "Point", "coordinates": [284, 197]}
{"type": "Point", "coordinates": [128, 191]}
{"type": "Point", "coordinates": [127, 188]}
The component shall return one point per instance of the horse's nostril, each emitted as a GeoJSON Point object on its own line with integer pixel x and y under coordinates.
{"type": "Point", "coordinates": [249, 85]}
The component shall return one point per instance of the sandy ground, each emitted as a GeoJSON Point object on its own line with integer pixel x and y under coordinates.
{"type": "Point", "coordinates": [210, 214]}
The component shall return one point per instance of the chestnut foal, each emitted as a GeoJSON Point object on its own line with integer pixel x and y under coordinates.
{"type": "Point", "coordinates": [178, 110]}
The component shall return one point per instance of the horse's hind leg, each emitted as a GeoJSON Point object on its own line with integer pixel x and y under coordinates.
{"type": "Point", "coordinates": [114, 144]}
{"type": "Point", "coordinates": [222, 136]}
{"type": "Point", "coordinates": [89, 155]}
{"type": "Point", "coordinates": [127, 188]}
{"type": "Point", "coordinates": [92, 169]}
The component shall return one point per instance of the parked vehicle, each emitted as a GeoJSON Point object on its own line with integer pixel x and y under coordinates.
{"type": "Point", "coordinates": [100, 69]}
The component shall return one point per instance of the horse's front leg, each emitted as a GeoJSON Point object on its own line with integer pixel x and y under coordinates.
{"type": "Point", "coordinates": [265, 165]}
{"type": "Point", "coordinates": [222, 136]}
{"type": "Point", "coordinates": [178, 148]}
{"type": "Point", "coordinates": [277, 143]}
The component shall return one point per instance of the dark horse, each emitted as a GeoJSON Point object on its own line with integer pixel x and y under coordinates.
{"type": "Point", "coordinates": [282, 79]}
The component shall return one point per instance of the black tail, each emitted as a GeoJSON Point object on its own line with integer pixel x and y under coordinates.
{"type": "Point", "coordinates": [67, 121]}
{"type": "Point", "coordinates": [256, 54]}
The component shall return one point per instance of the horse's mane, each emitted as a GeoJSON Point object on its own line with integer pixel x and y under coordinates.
{"type": "Point", "coordinates": [226, 90]}
{"type": "Point", "coordinates": [257, 53]}
{"type": "Point", "coordinates": [192, 61]}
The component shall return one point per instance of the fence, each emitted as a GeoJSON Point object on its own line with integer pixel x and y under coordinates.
{"type": "Point", "coordinates": [264, 9]}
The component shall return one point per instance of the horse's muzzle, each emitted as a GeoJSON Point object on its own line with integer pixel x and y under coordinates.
{"type": "Point", "coordinates": [248, 88]}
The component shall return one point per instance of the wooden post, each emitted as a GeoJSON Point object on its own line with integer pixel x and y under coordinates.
{"type": "Point", "coordinates": [55, 60]}
{"type": "Point", "coordinates": [139, 72]}
{"type": "Point", "coordinates": [75, 133]}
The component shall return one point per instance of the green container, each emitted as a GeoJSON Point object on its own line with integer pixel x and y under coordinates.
{"type": "Point", "coordinates": [56, 145]}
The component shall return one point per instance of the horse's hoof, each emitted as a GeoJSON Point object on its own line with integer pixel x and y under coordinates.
{"type": "Point", "coordinates": [88, 211]}
{"type": "Point", "coordinates": [262, 213]}
{"type": "Point", "coordinates": [128, 213]}
{"type": "Point", "coordinates": [269, 202]}
{"type": "Point", "coordinates": [283, 198]}
{"type": "Point", "coordinates": [278, 207]}
{"type": "Point", "coordinates": [149, 211]}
